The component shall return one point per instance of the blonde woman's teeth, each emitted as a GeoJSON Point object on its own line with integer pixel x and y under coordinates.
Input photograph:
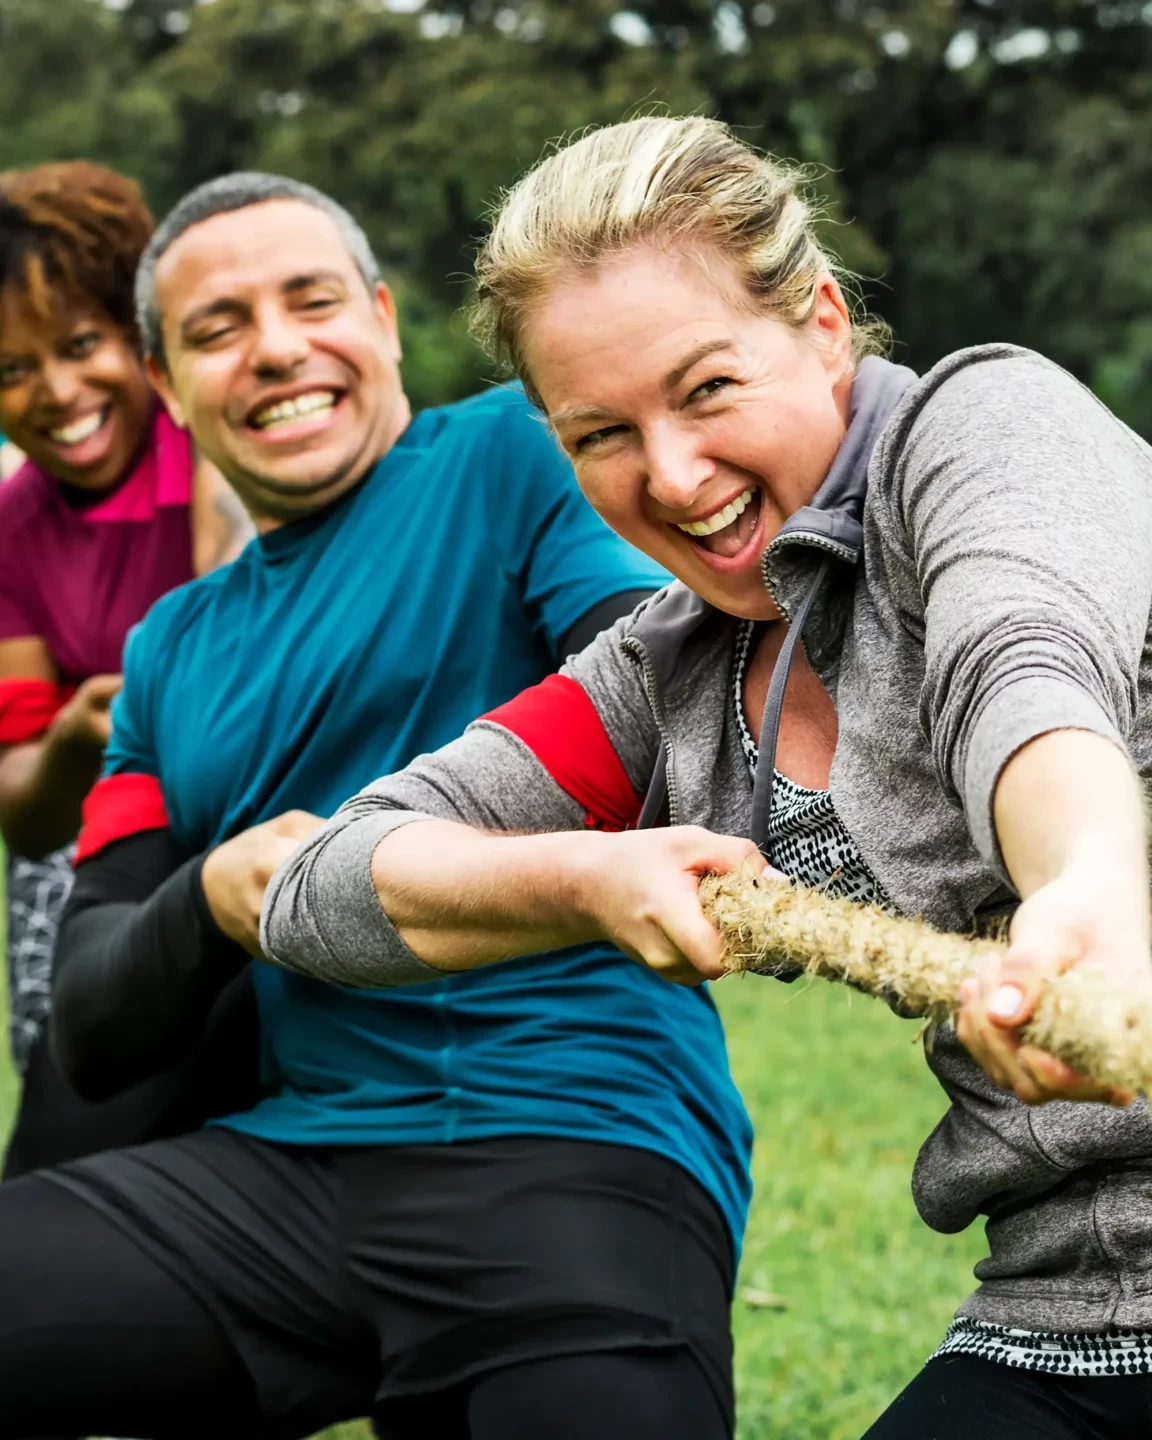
{"type": "Point", "coordinates": [722, 519]}
{"type": "Point", "coordinates": [78, 430]}
{"type": "Point", "coordinates": [316, 402]}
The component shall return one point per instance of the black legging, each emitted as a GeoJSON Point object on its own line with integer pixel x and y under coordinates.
{"type": "Point", "coordinates": [95, 1338]}
{"type": "Point", "coordinates": [964, 1397]}
{"type": "Point", "coordinates": [621, 1395]}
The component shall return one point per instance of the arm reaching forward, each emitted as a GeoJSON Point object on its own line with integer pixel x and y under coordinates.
{"type": "Point", "coordinates": [1069, 817]}
{"type": "Point", "coordinates": [481, 853]}
{"type": "Point", "coordinates": [460, 899]}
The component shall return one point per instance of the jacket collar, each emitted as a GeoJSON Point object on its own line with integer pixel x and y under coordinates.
{"type": "Point", "coordinates": [833, 520]}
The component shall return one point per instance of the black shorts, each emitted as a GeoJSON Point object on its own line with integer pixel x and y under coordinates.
{"type": "Point", "coordinates": [348, 1278]}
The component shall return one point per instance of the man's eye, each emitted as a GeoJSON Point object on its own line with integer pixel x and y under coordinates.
{"type": "Point", "coordinates": [711, 387]}
{"type": "Point", "coordinates": [597, 437]}
{"type": "Point", "coordinates": [321, 302]}
{"type": "Point", "coordinates": [12, 373]}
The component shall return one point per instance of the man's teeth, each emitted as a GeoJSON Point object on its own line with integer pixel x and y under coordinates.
{"type": "Point", "coordinates": [314, 403]}
{"type": "Point", "coordinates": [722, 519]}
{"type": "Point", "coordinates": [78, 430]}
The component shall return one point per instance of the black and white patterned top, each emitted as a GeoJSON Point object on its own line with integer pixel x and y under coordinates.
{"type": "Point", "coordinates": [809, 841]}
{"type": "Point", "coordinates": [1118, 1352]}
{"type": "Point", "coordinates": [37, 890]}
{"type": "Point", "coordinates": [811, 844]}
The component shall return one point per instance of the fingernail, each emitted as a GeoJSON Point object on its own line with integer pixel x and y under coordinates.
{"type": "Point", "coordinates": [1006, 1002]}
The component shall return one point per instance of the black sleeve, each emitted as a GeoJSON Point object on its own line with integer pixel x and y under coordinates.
{"type": "Point", "coordinates": [139, 965]}
{"type": "Point", "coordinates": [600, 617]}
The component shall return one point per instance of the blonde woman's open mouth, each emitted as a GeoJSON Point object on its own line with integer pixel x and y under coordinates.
{"type": "Point", "coordinates": [728, 536]}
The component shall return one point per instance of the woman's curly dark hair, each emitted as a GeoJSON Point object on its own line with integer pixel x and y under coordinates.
{"type": "Point", "coordinates": [71, 234]}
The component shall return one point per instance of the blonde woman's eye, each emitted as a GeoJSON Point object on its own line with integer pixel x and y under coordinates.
{"type": "Point", "coordinates": [711, 387]}
{"type": "Point", "coordinates": [596, 437]}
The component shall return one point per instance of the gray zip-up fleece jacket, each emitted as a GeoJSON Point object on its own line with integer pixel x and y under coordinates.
{"type": "Point", "coordinates": [975, 571]}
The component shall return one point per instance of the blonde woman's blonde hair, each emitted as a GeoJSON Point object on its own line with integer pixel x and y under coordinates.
{"type": "Point", "coordinates": [658, 180]}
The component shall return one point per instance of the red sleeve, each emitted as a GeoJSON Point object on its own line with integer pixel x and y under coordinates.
{"type": "Point", "coordinates": [118, 806]}
{"type": "Point", "coordinates": [27, 708]}
{"type": "Point", "coordinates": [560, 725]}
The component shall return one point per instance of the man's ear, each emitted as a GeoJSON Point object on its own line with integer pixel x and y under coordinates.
{"type": "Point", "coordinates": [162, 383]}
{"type": "Point", "coordinates": [384, 304]}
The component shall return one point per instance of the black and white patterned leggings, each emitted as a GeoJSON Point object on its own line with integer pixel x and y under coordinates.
{"type": "Point", "coordinates": [965, 1397]}
{"type": "Point", "coordinates": [37, 890]}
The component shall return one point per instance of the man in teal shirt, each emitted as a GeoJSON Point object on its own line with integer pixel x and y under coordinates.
{"type": "Point", "coordinates": [461, 1207]}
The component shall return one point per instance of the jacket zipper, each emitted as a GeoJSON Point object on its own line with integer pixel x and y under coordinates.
{"type": "Point", "coordinates": [637, 651]}
{"type": "Point", "coordinates": [847, 553]}
{"type": "Point", "coordinates": [816, 542]}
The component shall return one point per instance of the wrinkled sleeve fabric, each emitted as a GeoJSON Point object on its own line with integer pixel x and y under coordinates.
{"type": "Point", "coordinates": [547, 761]}
{"type": "Point", "coordinates": [140, 965]}
{"type": "Point", "coordinates": [566, 559]}
{"type": "Point", "coordinates": [1027, 509]}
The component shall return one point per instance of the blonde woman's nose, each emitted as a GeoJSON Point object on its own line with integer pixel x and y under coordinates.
{"type": "Point", "coordinates": [676, 470]}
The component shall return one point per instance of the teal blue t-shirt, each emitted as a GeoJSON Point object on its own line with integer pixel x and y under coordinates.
{"type": "Point", "coordinates": [333, 651]}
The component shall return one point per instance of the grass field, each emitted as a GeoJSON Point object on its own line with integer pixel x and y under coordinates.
{"type": "Point", "coordinates": [860, 1289]}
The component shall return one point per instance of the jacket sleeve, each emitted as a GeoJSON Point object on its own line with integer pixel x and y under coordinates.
{"type": "Point", "coordinates": [549, 760]}
{"type": "Point", "coordinates": [140, 965]}
{"type": "Point", "coordinates": [1027, 510]}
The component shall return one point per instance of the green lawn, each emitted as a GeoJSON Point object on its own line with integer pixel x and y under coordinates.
{"type": "Point", "coordinates": [860, 1290]}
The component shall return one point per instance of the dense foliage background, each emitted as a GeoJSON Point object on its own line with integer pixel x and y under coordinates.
{"type": "Point", "coordinates": [988, 163]}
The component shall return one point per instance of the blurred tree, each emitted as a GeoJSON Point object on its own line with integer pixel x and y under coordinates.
{"type": "Point", "coordinates": [985, 163]}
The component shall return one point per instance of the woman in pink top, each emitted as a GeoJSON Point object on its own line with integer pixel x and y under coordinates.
{"type": "Point", "coordinates": [94, 527]}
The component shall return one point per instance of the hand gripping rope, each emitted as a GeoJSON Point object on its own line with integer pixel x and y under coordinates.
{"type": "Point", "coordinates": [768, 925]}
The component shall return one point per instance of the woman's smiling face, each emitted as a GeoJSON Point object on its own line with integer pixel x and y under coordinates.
{"type": "Point", "coordinates": [696, 426]}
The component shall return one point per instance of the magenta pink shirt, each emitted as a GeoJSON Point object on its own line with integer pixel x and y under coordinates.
{"type": "Point", "coordinates": [80, 576]}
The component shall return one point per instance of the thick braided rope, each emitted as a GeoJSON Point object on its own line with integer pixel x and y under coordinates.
{"type": "Point", "coordinates": [1082, 1018]}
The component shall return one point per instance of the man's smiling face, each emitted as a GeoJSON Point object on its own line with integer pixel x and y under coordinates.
{"type": "Point", "coordinates": [278, 356]}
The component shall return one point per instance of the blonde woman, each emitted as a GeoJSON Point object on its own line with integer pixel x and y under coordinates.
{"type": "Point", "coordinates": [907, 659]}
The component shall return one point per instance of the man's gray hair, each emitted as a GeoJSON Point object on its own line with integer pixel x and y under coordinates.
{"type": "Point", "coordinates": [217, 197]}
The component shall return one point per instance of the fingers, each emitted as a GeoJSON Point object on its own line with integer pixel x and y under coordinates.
{"type": "Point", "coordinates": [296, 824]}
{"type": "Point", "coordinates": [273, 852]}
{"type": "Point", "coordinates": [662, 956]}
{"type": "Point", "coordinates": [1032, 1075]}
{"type": "Point", "coordinates": [992, 1047]}
{"type": "Point", "coordinates": [1039, 951]}
{"type": "Point", "coordinates": [657, 876]}
{"type": "Point", "coordinates": [721, 854]}
{"type": "Point", "coordinates": [1054, 1080]}
{"type": "Point", "coordinates": [101, 728]}
{"type": "Point", "coordinates": [997, 1002]}
{"type": "Point", "coordinates": [101, 690]}
{"type": "Point", "coordinates": [694, 937]}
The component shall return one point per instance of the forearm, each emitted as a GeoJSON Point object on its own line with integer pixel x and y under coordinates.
{"type": "Point", "coordinates": [1068, 811]}
{"type": "Point", "coordinates": [460, 898]}
{"type": "Point", "coordinates": [1071, 799]}
{"type": "Point", "coordinates": [135, 979]}
{"type": "Point", "coordinates": [42, 790]}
